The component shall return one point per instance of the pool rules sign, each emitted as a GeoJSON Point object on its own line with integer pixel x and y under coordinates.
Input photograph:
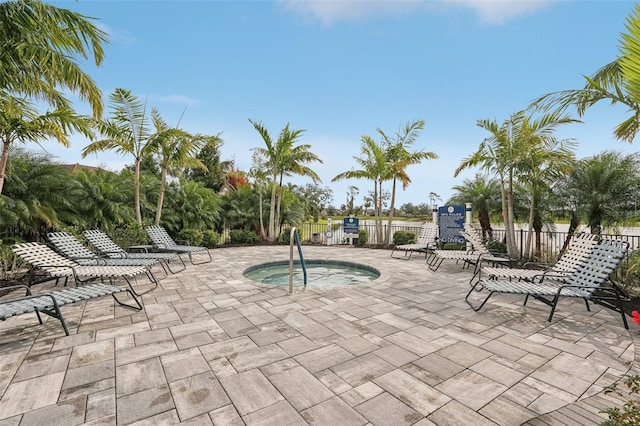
{"type": "Point", "coordinates": [451, 222]}
{"type": "Point", "coordinates": [350, 227]}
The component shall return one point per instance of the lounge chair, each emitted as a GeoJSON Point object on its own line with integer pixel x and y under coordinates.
{"type": "Point", "coordinates": [478, 253]}
{"type": "Point", "coordinates": [49, 303]}
{"type": "Point", "coordinates": [53, 264]}
{"type": "Point", "coordinates": [576, 253]}
{"type": "Point", "coordinates": [107, 247]}
{"type": "Point", "coordinates": [69, 246]}
{"type": "Point", "coordinates": [162, 241]}
{"type": "Point", "coordinates": [589, 282]}
{"type": "Point", "coordinates": [427, 240]}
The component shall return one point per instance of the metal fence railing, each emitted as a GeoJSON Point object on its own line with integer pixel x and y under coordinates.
{"type": "Point", "coordinates": [551, 243]}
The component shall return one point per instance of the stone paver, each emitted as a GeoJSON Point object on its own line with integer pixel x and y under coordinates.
{"type": "Point", "coordinates": [214, 348]}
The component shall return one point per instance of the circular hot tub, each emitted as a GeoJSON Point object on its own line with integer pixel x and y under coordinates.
{"type": "Point", "coordinates": [320, 273]}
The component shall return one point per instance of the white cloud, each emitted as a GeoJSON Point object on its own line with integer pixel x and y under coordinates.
{"type": "Point", "coordinates": [488, 11]}
{"type": "Point", "coordinates": [178, 99]}
{"type": "Point", "coordinates": [499, 11]}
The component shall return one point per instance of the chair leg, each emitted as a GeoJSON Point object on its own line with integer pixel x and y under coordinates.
{"type": "Point", "coordinates": [184, 265]}
{"type": "Point", "coordinates": [138, 303]}
{"type": "Point", "coordinates": [477, 308]}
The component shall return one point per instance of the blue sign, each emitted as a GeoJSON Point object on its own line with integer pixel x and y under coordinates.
{"type": "Point", "coordinates": [350, 225]}
{"type": "Point", "coordinates": [451, 223]}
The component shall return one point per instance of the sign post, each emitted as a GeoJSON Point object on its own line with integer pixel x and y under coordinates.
{"type": "Point", "coordinates": [350, 228]}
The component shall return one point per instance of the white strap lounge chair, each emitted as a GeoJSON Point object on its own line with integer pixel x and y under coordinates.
{"type": "Point", "coordinates": [50, 303]}
{"type": "Point", "coordinates": [578, 250]}
{"type": "Point", "coordinates": [427, 240]}
{"type": "Point", "coordinates": [107, 247]}
{"type": "Point", "coordinates": [44, 258]}
{"type": "Point", "coordinates": [162, 241]}
{"type": "Point", "coordinates": [69, 246]}
{"type": "Point", "coordinates": [479, 253]}
{"type": "Point", "coordinates": [591, 282]}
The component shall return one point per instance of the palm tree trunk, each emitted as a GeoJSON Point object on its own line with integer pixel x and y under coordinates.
{"type": "Point", "coordinates": [136, 193]}
{"type": "Point", "coordinates": [527, 246]}
{"type": "Point", "coordinates": [513, 251]}
{"type": "Point", "coordinates": [272, 211]}
{"type": "Point", "coordinates": [379, 236]}
{"type": "Point", "coordinates": [387, 237]}
{"type": "Point", "coordinates": [262, 233]}
{"type": "Point", "coordinates": [278, 206]}
{"type": "Point", "coordinates": [3, 161]}
{"type": "Point", "coordinates": [163, 182]}
{"type": "Point", "coordinates": [485, 224]}
{"type": "Point", "coordinates": [505, 215]}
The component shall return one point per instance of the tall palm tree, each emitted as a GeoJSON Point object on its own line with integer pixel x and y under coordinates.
{"type": "Point", "coordinates": [374, 166]}
{"type": "Point", "coordinates": [283, 158]}
{"type": "Point", "coordinates": [21, 122]}
{"type": "Point", "coordinates": [38, 44]}
{"type": "Point", "coordinates": [295, 162]}
{"type": "Point", "coordinates": [259, 175]}
{"type": "Point", "coordinates": [498, 154]}
{"type": "Point", "coordinates": [545, 159]}
{"type": "Point", "coordinates": [127, 133]}
{"type": "Point", "coordinates": [508, 150]}
{"type": "Point", "coordinates": [176, 149]}
{"type": "Point", "coordinates": [400, 158]}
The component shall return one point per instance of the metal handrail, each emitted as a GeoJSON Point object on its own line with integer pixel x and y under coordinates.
{"type": "Point", "coordinates": [295, 237]}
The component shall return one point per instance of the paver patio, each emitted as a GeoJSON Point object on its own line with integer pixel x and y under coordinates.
{"type": "Point", "coordinates": [214, 348]}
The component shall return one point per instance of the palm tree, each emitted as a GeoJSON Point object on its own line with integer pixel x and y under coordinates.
{"type": "Point", "coordinates": [283, 158]}
{"type": "Point", "coordinates": [38, 196]}
{"type": "Point", "coordinates": [21, 122]}
{"type": "Point", "coordinates": [602, 189]}
{"type": "Point", "coordinates": [259, 174]}
{"type": "Point", "coordinates": [483, 193]}
{"type": "Point", "coordinates": [617, 82]}
{"type": "Point", "coordinates": [127, 133]}
{"type": "Point", "coordinates": [177, 149]}
{"type": "Point", "coordinates": [630, 61]}
{"type": "Point", "coordinates": [102, 199]}
{"type": "Point", "coordinates": [508, 150]}
{"type": "Point", "coordinates": [400, 158]}
{"type": "Point", "coordinates": [374, 166]}
{"type": "Point", "coordinates": [38, 43]}
{"type": "Point", "coordinates": [546, 160]}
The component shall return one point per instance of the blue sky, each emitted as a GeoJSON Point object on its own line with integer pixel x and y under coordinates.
{"type": "Point", "coordinates": [341, 69]}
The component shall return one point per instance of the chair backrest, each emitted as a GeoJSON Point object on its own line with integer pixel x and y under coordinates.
{"type": "Point", "coordinates": [159, 236]}
{"type": "Point", "coordinates": [41, 256]}
{"type": "Point", "coordinates": [103, 243]}
{"type": "Point", "coordinates": [578, 250]}
{"type": "Point", "coordinates": [69, 245]}
{"type": "Point", "coordinates": [601, 263]}
{"type": "Point", "coordinates": [470, 234]}
{"type": "Point", "coordinates": [428, 234]}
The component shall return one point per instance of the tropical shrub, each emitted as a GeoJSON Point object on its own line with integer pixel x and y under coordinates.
{"type": "Point", "coordinates": [496, 246]}
{"type": "Point", "coordinates": [404, 237]}
{"type": "Point", "coordinates": [238, 236]}
{"type": "Point", "coordinates": [454, 246]}
{"type": "Point", "coordinates": [192, 236]}
{"type": "Point", "coordinates": [363, 237]}
{"type": "Point", "coordinates": [128, 235]}
{"type": "Point", "coordinates": [210, 238]}
{"type": "Point", "coordinates": [285, 235]}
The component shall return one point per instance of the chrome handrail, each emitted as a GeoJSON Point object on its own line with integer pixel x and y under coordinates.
{"type": "Point", "coordinates": [295, 237]}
